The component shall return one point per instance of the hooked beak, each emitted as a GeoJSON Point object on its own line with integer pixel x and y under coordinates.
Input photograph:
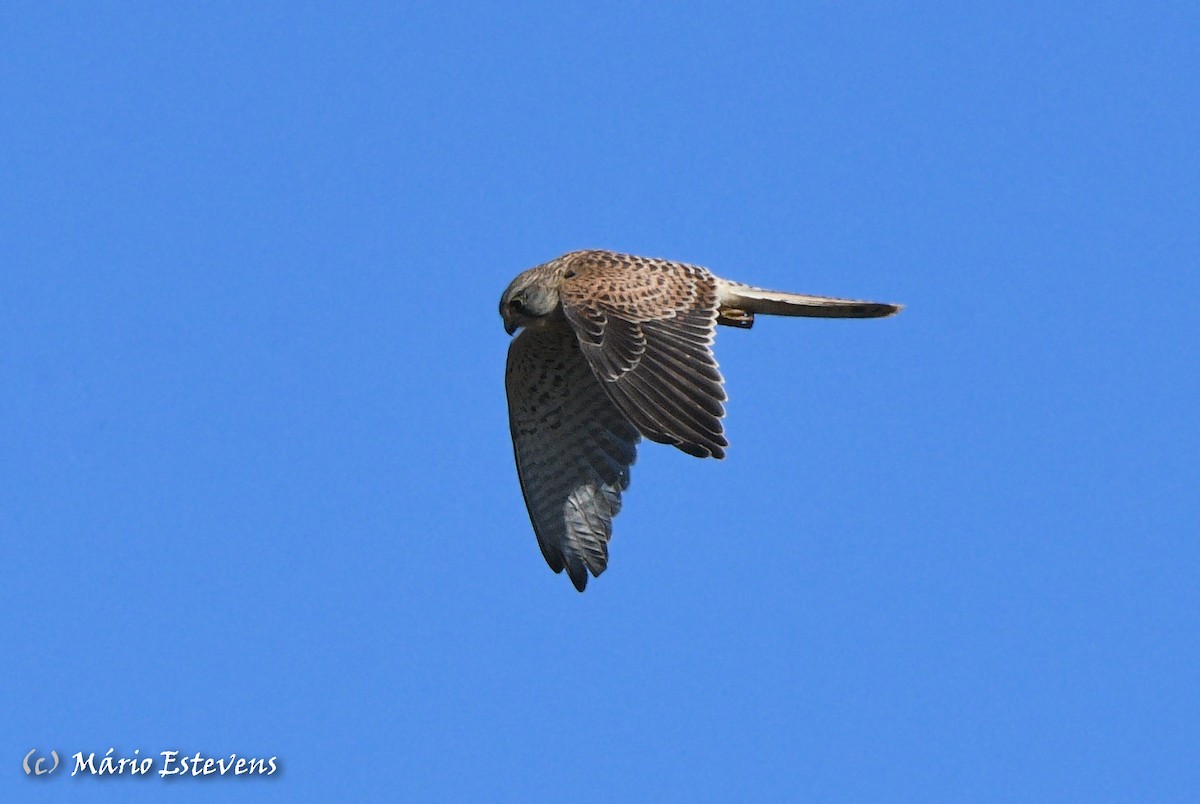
{"type": "Point", "coordinates": [510, 326]}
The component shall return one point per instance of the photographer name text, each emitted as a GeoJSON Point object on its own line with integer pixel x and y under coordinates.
{"type": "Point", "coordinates": [171, 764]}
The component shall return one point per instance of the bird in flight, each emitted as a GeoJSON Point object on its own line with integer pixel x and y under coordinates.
{"type": "Point", "coordinates": [615, 347]}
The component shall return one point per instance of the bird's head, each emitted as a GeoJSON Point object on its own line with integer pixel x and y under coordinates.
{"type": "Point", "coordinates": [532, 298]}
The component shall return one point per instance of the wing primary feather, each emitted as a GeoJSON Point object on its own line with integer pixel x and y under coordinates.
{"type": "Point", "coordinates": [573, 448]}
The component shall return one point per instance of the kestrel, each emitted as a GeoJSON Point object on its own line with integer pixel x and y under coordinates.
{"type": "Point", "coordinates": [616, 347]}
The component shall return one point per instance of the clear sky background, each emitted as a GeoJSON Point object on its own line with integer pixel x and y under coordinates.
{"type": "Point", "coordinates": [256, 487]}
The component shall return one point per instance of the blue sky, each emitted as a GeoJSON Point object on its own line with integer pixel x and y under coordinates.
{"type": "Point", "coordinates": [257, 493]}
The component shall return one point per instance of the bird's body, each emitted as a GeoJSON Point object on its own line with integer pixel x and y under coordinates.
{"type": "Point", "coordinates": [615, 347]}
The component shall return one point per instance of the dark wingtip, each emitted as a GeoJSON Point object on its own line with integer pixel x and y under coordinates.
{"type": "Point", "coordinates": [712, 449]}
{"type": "Point", "coordinates": [578, 576]}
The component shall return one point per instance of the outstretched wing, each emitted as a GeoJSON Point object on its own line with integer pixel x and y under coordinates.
{"type": "Point", "coordinates": [646, 328]}
{"type": "Point", "coordinates": [573, 449]}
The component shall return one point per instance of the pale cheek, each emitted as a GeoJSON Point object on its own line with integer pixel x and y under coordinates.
{"type": "Point", "coordinates": [543, 305]}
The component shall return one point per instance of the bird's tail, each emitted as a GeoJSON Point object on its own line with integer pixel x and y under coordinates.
{"type": "Point", "coordinates": [740, 302]}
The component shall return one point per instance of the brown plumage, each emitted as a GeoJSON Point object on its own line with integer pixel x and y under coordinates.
{"type": "Point", "coordinates": [615, 347]}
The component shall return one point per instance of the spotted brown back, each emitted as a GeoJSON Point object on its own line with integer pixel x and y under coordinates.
{"type": "Point", "coordinates": [646, 328]}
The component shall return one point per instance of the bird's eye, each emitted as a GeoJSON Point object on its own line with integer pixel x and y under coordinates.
{"type": "Point", "coordinates": [515, 305]}
{"type": "Point", "coordinates": [569, 275]}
